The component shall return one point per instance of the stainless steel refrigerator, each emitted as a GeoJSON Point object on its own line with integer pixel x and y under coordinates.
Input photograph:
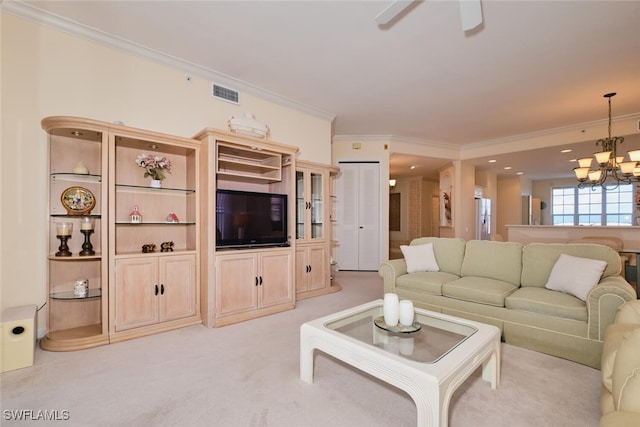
{"type": "Point", "coordinates": [483, 219]}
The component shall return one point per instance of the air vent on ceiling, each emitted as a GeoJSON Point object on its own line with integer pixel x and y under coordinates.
{"type": "Point", "coordinates": [225, 93]}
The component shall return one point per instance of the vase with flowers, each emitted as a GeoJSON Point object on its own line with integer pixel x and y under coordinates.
{"type": "Point", "coordinates": [155, 167]}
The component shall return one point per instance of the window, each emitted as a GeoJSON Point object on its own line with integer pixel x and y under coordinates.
{"type": "Point", "coordinates": [586, 206]}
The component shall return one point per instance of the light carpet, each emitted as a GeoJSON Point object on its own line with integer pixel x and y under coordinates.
{"type": "Point", "coordinates": [247, 374]}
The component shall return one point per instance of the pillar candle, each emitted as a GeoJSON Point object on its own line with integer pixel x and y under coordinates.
{"type": "Point", "coordinates": [391, 309]}
{"type": "Point", "coordinates": [406, 312]}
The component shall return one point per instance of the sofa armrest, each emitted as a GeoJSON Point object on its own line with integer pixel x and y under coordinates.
{"type": "Point", "coordinates": [629, 313]}
{"type": "Point", "coordinates": [390, 271]}
{"type": "Point", "coordinates": [603, 302]}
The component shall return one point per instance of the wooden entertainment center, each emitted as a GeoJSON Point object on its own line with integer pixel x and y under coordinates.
{"type": "Point", "coordinates": [155, 265]}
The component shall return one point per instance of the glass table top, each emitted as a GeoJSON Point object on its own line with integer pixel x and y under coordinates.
{"type": "Point", "coordinates": [435, 338]}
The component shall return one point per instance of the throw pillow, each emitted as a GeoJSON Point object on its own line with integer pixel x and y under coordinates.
{"type": "Point", "coordinates": [575, 275]}
{"type": "Point", "coordinates": [419, 258]}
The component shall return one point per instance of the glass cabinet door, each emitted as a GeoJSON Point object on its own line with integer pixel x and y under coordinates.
{"type": "Point", "coordinates": [317, 225]}
{"type": "Point", "coordinates": [300, 205]}
{"type": "Point", "coordinates": [310, 204]}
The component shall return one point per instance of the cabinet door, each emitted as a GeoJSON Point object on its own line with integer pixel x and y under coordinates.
{"type": "Point", "coordinates": [318, 266]}
{"type": "Point", "coordinates": [136, 292]}
{"type": "Point", "coordinates": [310, 204]}
{"type": "Point", "coordinates": [177, 287]}
{"type": "Point", "coordinates": [316, 204]}
{"type": "Point", "coordinates": [275, 279]}
{"type": "Point", "coordinates": [236, 283]}
{"type": "Point", "coordinates": [302, 269]}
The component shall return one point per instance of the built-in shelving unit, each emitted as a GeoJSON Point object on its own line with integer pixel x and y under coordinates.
{"type": "Point", "coordinates": [76, 321]}
{"type": "Point", "coordinates": [313, 229]}
{"type": "Point", "coordinates": [242, 284]}
{"type": "Point", "coordinates": [131, 291]}
{"type": "Point", "coordinates": [152, 290]}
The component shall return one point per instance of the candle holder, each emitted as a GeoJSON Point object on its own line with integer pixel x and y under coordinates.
{"type": "Point", "coordinates": [86, 227]}
{"type": "Point", "coordinates": [63, 249]}
{"type": "Point", "coordinates": [87, 247]}
{"type": "Point", "coordinates": [63, 232]}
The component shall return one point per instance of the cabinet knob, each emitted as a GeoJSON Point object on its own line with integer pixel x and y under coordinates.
{"type": "Point", "coordinates": [161, 289]}
{"type": "Point", "coordinates": [256, 280]}
{"type": "Point", "coordinates": [260, 280]}
{"type": "Point", "coordinates": [156, 289]}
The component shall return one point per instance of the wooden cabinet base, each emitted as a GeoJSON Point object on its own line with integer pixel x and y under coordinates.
{"type": "Point", "coordinates": [74, 339]}
{"type": "Point", "coordinates": [316, 293]}
{"type": "Point", "coordinates": [229, 320]}
{"type": "Point", "coordinates": [154, 329]}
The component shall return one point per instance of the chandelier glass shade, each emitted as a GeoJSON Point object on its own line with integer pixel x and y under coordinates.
{"type": "Point", "coordinates": [611, 167]}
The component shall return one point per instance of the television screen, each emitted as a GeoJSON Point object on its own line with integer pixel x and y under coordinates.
{"type": "Point", "coordinates": [247, 219]}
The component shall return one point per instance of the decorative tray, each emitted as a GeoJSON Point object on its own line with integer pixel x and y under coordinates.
{"type": "Point", "coordinates": [397, 329]}
{"type": "Point", "coordinates": [78, 200]}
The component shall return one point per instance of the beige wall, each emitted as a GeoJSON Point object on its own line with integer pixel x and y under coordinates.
{"type": "Point", "coordinates": [48, 72]}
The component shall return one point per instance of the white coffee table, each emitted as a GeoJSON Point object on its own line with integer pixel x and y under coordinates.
{"type": "Point", "coordinates": [428, 364]}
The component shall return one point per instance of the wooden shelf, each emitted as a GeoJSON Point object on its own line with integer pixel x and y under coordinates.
{"type": "Point", "coordinates": [243, 162]}
{"type": "Point", "coordinates": [74, 338]}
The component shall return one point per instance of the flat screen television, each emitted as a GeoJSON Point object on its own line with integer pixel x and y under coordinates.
{"type": "Point", "coordinates": [249, 219]}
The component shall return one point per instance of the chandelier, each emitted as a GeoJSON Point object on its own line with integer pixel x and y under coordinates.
{"type": "Point", "coordinates": [612, 169]}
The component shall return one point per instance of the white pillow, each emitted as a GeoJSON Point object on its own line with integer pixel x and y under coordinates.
{"type": "Point", "coordinates": [419, 258]}
{"type": "Point", "coordinates": [575, 276]}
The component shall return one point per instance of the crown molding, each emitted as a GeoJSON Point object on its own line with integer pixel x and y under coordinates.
{"type": "Point", "coordinates": [394, 138]}
{"type": "Point", "coordinates": [39, 16]}
{"type": "Point", "coordinates": [486, 145]}
{"type": "Point", "coordinates": [542, 133]}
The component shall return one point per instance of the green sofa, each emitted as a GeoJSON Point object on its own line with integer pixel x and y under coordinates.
{"type": "Point", "coordinates": [503, 284]}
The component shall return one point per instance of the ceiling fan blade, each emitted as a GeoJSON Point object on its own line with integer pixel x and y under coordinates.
{"type": "Point", "coordinates": [393, 10]}
{"type": "Point", "coordinates": [470, 14]}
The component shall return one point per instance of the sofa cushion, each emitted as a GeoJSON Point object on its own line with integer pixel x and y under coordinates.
{"type": "Point", "coordinates": [547, 302]}
{"type": "Point", "coordinates": [428, 282]}
{"type": "Point", "coordinates": [575, 275]}
{"type": "Point", "coordinates": [495, 260]}
{"type": "Point", "coordinates": [419, 258]}
{"type": "Point", "coordinates": [449, 252]}
{"type": "Point", "coordinates": [539, 258]}
{"type": "Point", "coordinates": [479, 289]}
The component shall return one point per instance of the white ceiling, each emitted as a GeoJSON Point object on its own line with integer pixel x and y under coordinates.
{"type": "Point", "coordinates": [531, 65]}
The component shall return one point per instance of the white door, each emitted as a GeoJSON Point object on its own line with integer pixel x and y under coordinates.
{"type": "Point", "coordinates": [358, 191]}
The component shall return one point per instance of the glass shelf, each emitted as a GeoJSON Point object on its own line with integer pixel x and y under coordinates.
{"type": "Point", "coordinates": [69, 295]}
{"type": "Point", "coordinates": [75, 215]}
{"type": "Point", "coordinates": [155, 223]}
{"type": "Point", "coordinates": [69, 176]}
{"type": "Point", "coordinates": [125, 188]}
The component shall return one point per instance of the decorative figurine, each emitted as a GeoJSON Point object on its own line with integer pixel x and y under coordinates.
{"type": "Point", "coordinates": [135, 217]}
{"type": "Point", "coordinates": [172, 218]}
{"type": "Point", "coordinates": [166, 247]}
{"type": "Point", "coordinates": [148, 248]}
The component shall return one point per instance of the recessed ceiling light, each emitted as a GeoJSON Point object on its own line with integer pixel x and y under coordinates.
{"type": "Point", "coordinates": [492, 161]}
{"type": "Point", "coordinates": [567, 150]}
{"type": "Point", "coordinates": [520, 173]}
{"type": "Point", "coordinates": [507, 168]}
{"type": "Point", "coordinates": [413, 166]}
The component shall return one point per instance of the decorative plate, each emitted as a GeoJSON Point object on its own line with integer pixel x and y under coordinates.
{"type": "Point", "coordinates": [78, 200]}
{"type": "Point", "coordinates": [398, 329]}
